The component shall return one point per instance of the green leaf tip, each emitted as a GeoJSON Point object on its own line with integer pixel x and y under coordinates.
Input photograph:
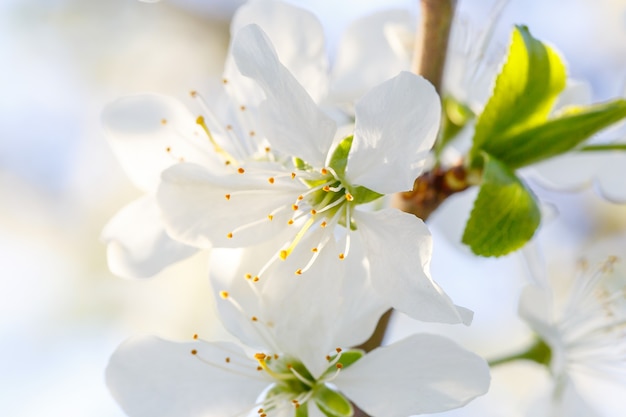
{"type": "Point", "coordinates": [524, 94]}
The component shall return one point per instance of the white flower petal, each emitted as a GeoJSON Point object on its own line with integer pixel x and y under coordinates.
{"type": "Point", "coordinates": [346, 319]}
{"type": "Point", "coordinates": [150, 377]}
{"type": "Point", "coordinates": [292, 122]}
{"type": "Point", "coordinates": [354, 70]}
{"type": "Point", "coordinates": [399, 248]}
{"type": "Point", "coordinates": [197, 211]}
{"type": "Point", "coordinates": [396, 126]}
{"type": "Point", "coordinates": [575, 171]}
{"type": "Point", "coordinates": [141, 255]}
{"type": "Point", "coordinates": [297, 36]}
{"type": "Point", "coordinates": [421, 374]}
{"type": "Point", "coordinates": [141, 128]}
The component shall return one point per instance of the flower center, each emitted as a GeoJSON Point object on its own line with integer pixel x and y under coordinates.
{"type": "Point", "coordinates": [295, 385]}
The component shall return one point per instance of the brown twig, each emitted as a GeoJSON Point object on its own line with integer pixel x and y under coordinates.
{"type": "Point", "coordinates": [431, 44]}
{"type": "Point", "coordinates": [433, 187]}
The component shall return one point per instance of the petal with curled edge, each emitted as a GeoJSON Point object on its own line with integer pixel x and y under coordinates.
{"type": "Point", "coordinates": [396, 126]}
{"type": "Point", "coordinates": [151, 377]}
{"type": "Point", "coordinates": [141, 255]}
{"type": "Point", "coordinates": [423, 373]}
{"type": "Point", "coordinates": [399, 247]}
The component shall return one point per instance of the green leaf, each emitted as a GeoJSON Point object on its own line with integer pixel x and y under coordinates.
{"type": "Point", "coordinates": [339, 158]}
{"type": "Point", "coordinates": [524, 93]}
{"type": "Point", "coordinates": [605, 147]}
{"type": "Point", "coordinates": [556, 136]}
{"type": "Point", "coordinates": [505, 214]}
{"type": "Point", "coordinates": [332, 403]}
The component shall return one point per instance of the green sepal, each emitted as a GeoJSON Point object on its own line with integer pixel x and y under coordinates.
{"type": "Point", "coordinates": [364, 195]}
{"type": "Point", "coordinates": [348, 357]}
{"type": "Point", "coordinates": [339, 162]}
{"type": "Point", "coordinates": [557, 135]}
{"type": "Point", "coordinates": [302, 411]}
{"type": "Point", "coordinates": [332, 403]}
{"type": "Point", "coordinates": [525, 92]}
{"type": "Point", "coordinates": [339, 159]}
{"type": "Point", "coordinates": [505, 214]}
{"type": "Point", "coordinates": [300, 164]}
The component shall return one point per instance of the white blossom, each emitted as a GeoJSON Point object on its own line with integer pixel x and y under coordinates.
{"type": "Point", "coordinates": [582, 319]}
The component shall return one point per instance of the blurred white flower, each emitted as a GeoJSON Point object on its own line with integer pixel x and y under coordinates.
{"type": "Point", "coordinates": [378, 46]}
{"type": "Point", "coordinates": [582, 319]}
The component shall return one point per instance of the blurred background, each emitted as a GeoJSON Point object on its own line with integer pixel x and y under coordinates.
{"type": "Point", "coordinates": [62, 313]}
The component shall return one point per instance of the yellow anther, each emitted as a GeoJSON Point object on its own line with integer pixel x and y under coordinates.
{"type": "Point", "coordinates": [227, 196]}
{"type": "Point", "coordinates": [342, 256]}
{"type": "Point", "coordinates": [241, 170]}
{"type": "Point", "coordinates": [255, 279]}
{"type": "Point", "coordinates": [271, 180]}
{"type": "Point", "coordinates": [252, 133]}
{"type": "Point", "coordinates": [254, 318]}
{"type": "Point", "coordinates": [260, 356]}
{"type": "Point", "coordinates": [195, 336]}
{"type": "Point", "coordinates": [298, 271]}
{"type": "Point", "coordinates": [293, 175]}
{"type": "Point", "coordinates": [267, 149]}
{"type": "Point", "coordinates": [194, 352]}
{"type": "Point", "coordinates": [326, 188]}
{"type": "Point", "coordinates": [314, 250]}
{"type": "Point", "coordinates": [248, 276]}
{"type": "Point", "coordinates": [163, 121]}
{"type": "Point", "coordinates": [294, 207]}
{"type": "Point", "coordinates": [300, 197]}
{"type": "Point", "coordinates": [242, 108]}
{"type": "Point", "coordinates": [323, 224]}
{"type": "Point", "coordinates": [349, 197]}
{"type": "Point", "coordinates": [224, 294]}
{"type": "Point", "coordinates": [218, 149]}
{"type": "Point", "coordinates": [290, 221]}
{"type": "Point", "coordinates": [271, 217]}
{"type": "Point", "coordinates": [193, 93]}
{"type": "Point", "coordinates": [229, 235]}
{"type": "Point", "coordinates": [283, 254]}
{"type": "Point", "coordinates": [338, 350]}
{"type": "Point", "coordinates": [225, 81]}
{"type": "Point", "coordinates": [313, 212]}
{"type": "Point", "coordinates": [324, 171]}
{"type": "Point", "coordinates": [229, 127]}
{"type": "Point", "coordinates": [227, 359]}
{"type": "Point", "coordinates": [339, 365]}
